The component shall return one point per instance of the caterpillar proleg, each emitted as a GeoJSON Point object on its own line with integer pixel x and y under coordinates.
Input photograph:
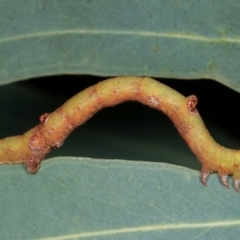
{"type": "Point", "coordinates": [32, 147]}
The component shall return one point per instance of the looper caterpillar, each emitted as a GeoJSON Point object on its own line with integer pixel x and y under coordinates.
{"type": "Point", "coordinates": [31, 147]}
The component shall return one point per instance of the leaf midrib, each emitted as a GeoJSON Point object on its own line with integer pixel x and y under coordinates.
{"type": "Point", "coordinates": [148, 228]}
{"type": "Point", "coordinates": [191, 37]}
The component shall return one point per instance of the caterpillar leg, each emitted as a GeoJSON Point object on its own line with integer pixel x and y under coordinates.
{"type": "Point", "coordinates": [204, 176]}
{"type": "Point", "coordinates": [236, 182]}
{"type": "Point", "coordinates": [224, 180]}
{"type": "Point", "coordinates": [32, 164]}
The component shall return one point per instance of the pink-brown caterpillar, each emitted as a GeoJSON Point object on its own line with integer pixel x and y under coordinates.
{"type": "Point", "coordinates": [31, 147]}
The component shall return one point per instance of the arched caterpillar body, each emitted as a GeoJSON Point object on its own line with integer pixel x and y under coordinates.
{"type": "Point", "coordinates": [31, 147]}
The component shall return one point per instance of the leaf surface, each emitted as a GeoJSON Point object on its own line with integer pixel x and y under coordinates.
{"type": "Point", "coordinates": [74, 198]}
{"type": "Point", "coordinates": [173, 39]}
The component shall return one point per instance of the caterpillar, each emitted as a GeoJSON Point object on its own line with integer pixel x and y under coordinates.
{"type": "Point", "coordinates": [32, 147]}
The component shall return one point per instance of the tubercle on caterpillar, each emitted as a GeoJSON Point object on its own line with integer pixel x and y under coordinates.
{"type": "Point", "coordinates": [32, 147]}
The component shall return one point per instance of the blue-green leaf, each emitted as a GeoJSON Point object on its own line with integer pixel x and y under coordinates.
{"type": "Point", "coordinates": [74, 198]}
{"type": "Point", "coordinates": [168, 38]}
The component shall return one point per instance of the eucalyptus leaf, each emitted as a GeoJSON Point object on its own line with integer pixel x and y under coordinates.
{"type": "Point", "coordinates": [75, 198]}
{"type": "Point", "coordinates": [82, 198]}
{"type": "Point", "coordinates": [168, 38]}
